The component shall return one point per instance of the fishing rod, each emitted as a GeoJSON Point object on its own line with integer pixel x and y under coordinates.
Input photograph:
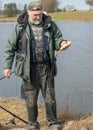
{"type": "Point", "coordinates": [12, 120]}
{"type": "Point", "coordinates": [13, 115]}
{"type": "Point", "coordinates": [2, 77]}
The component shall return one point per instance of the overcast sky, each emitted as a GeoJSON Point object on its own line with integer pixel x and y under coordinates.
{"type": "Point", "coordinates": [79, 4]}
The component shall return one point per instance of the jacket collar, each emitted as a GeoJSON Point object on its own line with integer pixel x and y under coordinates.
{"type": "Point", "coordinates": [23, 19]}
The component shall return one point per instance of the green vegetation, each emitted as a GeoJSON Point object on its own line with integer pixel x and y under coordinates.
{"type": "Point", "coordinates": [10, 9]}
{"type": "Point", "coordinates": [63, 16]}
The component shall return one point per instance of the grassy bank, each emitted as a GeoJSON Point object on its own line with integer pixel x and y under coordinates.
{"type": "Point", "coordinates": [63, 16]}
{"type": "Point", "coordinates": [10, 19]}
{"type": "Point", "coordinates": [72, 16]}
{"type": "Point", "coordinates": [18, 107]}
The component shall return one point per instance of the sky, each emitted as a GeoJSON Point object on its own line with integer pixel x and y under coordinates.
{"type": "Point", "coordinates": [78, 4]}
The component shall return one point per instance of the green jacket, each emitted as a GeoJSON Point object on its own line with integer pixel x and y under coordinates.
{"type": "Point", "coordinates": [19, 46]}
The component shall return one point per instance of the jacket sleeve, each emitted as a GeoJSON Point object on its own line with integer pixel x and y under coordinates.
{"type": "Point", "coordinates": [10, 49]}
{"type": "Point", "coordinates": [58, 38]}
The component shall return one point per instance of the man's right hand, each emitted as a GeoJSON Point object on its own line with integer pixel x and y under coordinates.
{"type": "Point", "coordinates": [7, 73]}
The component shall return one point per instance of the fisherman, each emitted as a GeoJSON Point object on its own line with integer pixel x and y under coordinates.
{"type": "Point", "coordinates": [33, 43]}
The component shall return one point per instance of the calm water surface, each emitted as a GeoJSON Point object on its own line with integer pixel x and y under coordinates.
{"type": "Point", "coordinates": [74, 83]}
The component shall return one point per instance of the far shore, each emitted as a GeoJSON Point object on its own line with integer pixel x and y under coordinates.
{"type": "Point", "coordinates": [62, 16]}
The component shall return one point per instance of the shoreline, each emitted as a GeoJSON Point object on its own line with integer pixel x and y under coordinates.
{"type": "Point", "coordinates": [17, 106]}
{"type": "Point", "coordinates": [1, 21]}
{"type": "Point", "coordinates": [61, 16]}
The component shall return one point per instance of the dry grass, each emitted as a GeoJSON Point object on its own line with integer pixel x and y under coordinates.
{"type": "Point", "coordinates": [10, 19]}
{"type": "Point", "coordinates": [72, 16]}
{"type": "Point", "coordinates": [62, 16]}
{"type": "Point", "coordinates": [18, 107]}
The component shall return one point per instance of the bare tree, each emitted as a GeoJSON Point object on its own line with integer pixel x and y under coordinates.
{"type": "Point", "coordinates": [90, 3]}
{"type": "Point", "coordinates": [0, 5]}
{"type": "Point", "coordinates": [49, 5]}
{"type": "Point", "coordinates": [0, 8]}
{"type": "Point", "coordinates": [25, 7]}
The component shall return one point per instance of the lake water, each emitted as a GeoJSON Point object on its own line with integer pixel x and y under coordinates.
{"type": "Point", "coordinates": [74, 82]}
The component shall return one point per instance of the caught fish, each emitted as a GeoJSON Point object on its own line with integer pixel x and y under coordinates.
{"type": "Point", "coordinates": [63, 47]}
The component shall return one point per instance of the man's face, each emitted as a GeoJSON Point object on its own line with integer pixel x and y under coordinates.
{"type": "Point", "coordinates": [35, 16]}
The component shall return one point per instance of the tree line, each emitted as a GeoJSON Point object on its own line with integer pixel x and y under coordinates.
{"type": "Point", "coordinates": [11, 9]}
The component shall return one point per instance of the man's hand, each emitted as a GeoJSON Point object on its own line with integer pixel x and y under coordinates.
{"type": "Point", "coordinates": [7, 73]}
{"type": "Point", "coordinates": [65, 45]}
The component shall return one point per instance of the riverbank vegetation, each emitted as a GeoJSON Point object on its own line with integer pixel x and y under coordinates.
{"type": "Point", "coordinates": [10, 19]}
{"type": "Point", "coordinates": [16, 106]}
{"type": "Point", "coordinates": [72, 16]}
{"type": "Point", "coordinates": [62, 16]}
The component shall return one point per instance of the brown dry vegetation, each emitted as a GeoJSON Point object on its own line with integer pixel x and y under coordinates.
{"type": "Point", "coordinates": [72, 16]}
{"type": "Point", "coordinates": [17, 107]}
{"type": "Point", "coordinates": [62, 16]}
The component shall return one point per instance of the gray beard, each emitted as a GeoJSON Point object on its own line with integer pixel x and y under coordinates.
{"type": "Point", "coordinates": [35, 22]}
